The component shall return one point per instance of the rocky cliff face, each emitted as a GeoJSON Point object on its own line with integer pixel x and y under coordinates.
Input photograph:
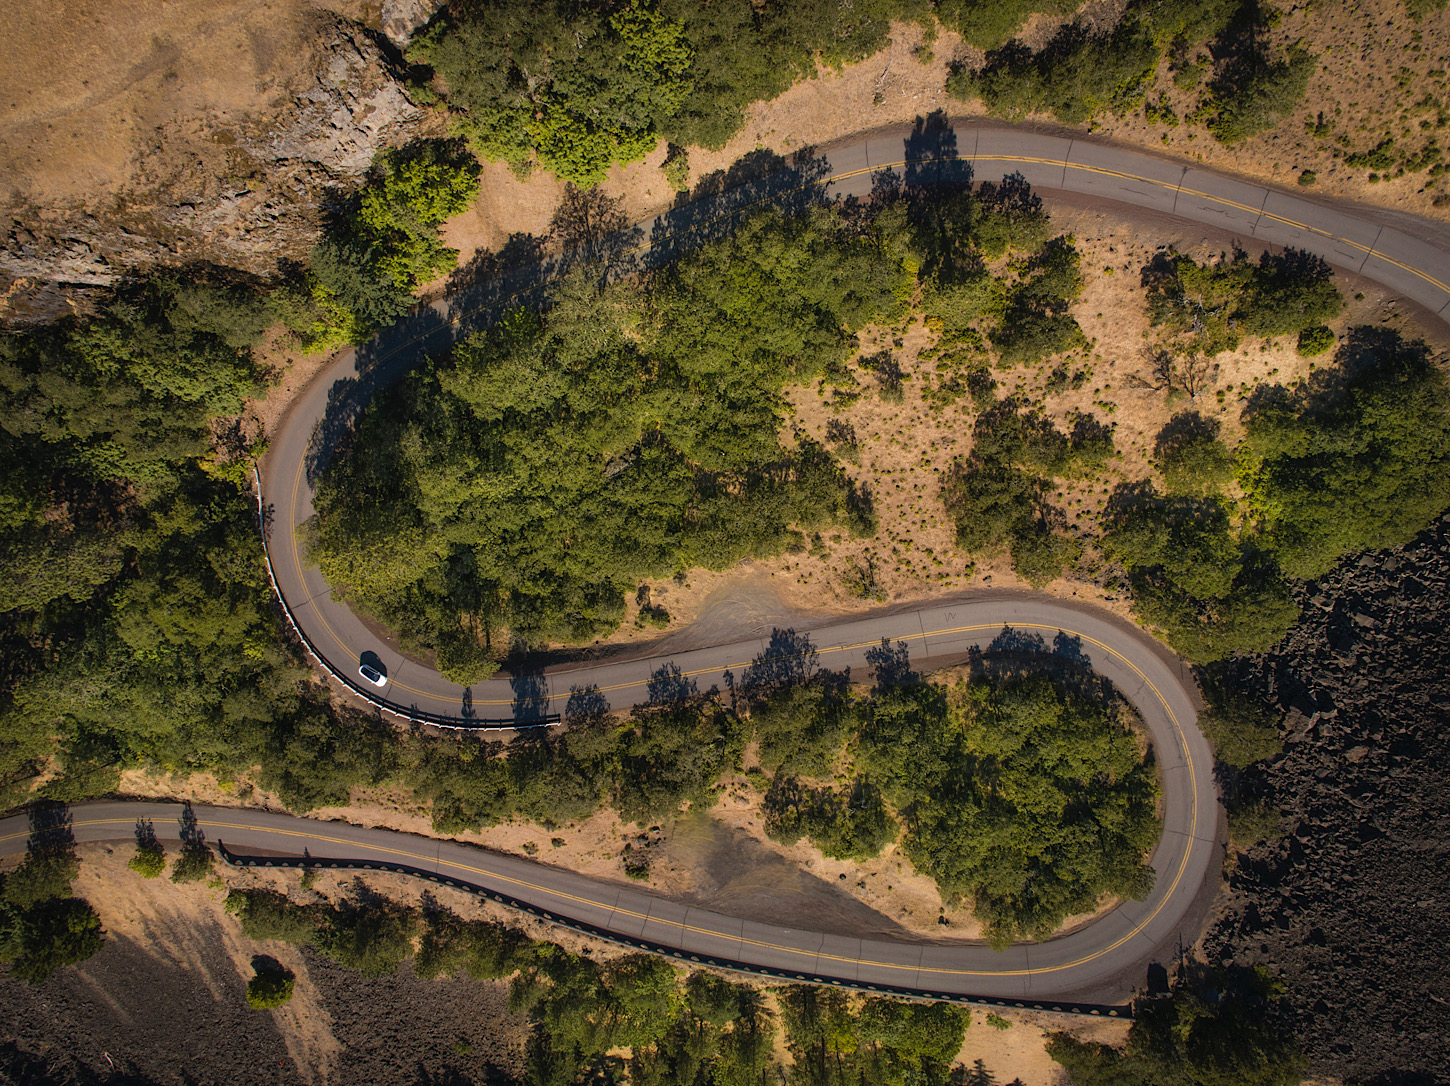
{"type": "Point", "coordinates": [1352, 906]}
{"type": "Point", "coordinates": [243, 191]}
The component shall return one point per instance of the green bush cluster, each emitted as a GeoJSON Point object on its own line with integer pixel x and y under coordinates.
{"type": "Point", "coordinates": [998, 495]}
{"type": "Point", "coordinates": [1018, 793]}
{"type": "Point", "coordinates": [376, 253]}
{"type": "Point", "coordinates": [1217, 1026]}
{"type": "Point", "coordinates": [372, 939]}
{"type": "Point", "coordinates": [1353, 459]}
{"type": "Point", "coordinates": [1076, 76]}
{"type": "Point", "coordinates": [576, 89]}
{"type": "Point", "coordinates": [1209, 308]}
{"type": "Point", "coordinates": [520, 488]}
{"type": "Point", "coordinates": [1211, 591]}
{"type": "Point", "coordinates": [1358, 458]}
{"type": "Point", "coordinates": [849, 824]}
{"type": "Point", "coordinates": [42, 927]}
{"type": "Point", "coordinates": [1080, 74]}
{"type": "Point", "coordinates": [917, 753]}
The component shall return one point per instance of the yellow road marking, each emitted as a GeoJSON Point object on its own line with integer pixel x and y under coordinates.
{"type": "Point", "coordinates": [843, 176]}
{"type": "Point", "coordinates": [684, 928]}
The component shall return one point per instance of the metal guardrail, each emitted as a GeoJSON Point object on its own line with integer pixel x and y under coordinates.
{"type": "Point", "coordinates": [664, 951]}
{"type": "Point", "coordinates": [432, 720]}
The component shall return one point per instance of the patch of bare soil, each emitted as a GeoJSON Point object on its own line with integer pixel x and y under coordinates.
{"type": "Point", "coordinates": [165, 1000]}
{"type": "Point", "coordinates": [1015, 1049]}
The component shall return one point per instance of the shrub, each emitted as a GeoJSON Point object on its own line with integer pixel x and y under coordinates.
{"type": "Point", "coordinates": [269, 989]}
{"type": "Point", "coordinates": [676, 168]}
{"type": "Point", "coordinates": [1254, 96]}
{"type": "Point", "coordinates": [149, 861]}
{"type": "Point", "coordinates": [1316, 340]}
{"type": "Point", "coordinates": [51, 935]}
{"type": "Point", "coordinates": [1254, 822]}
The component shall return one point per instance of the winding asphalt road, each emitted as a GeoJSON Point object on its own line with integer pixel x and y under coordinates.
{"type": "Point", "coordinates": [1081, 962]}
{"type": "Point", "coordinates": [1408, 265]}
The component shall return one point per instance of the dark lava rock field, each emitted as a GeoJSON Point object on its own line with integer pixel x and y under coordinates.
{"type": "Point", "coordinates": [1352, 907]}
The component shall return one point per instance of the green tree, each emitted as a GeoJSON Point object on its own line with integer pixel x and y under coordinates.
{"type": "Point", "coordinates": [48, 936]}
{"type": "Point", "coordinates": [1243, 731]}
{"type": "Point", "coordinates": [1211, 591]}
{"type": "Point", "coordinates": [579, 90]}
{"type": "Point", "coordinates": [851, 824]}
{"type": "Point", "coordinates": [1017, 794]}
{"type": "Point", "coordinates": [1256, 94]}
{"type": "Point", "coordinates": [1354, 460]}
{"type": "Point", "coordinates": [270, 989]}
{"type": "Point", "coordinates": [1075, 76]}
{"type": "Point", "coordinates": [1190, 456]}
{"type": "Point", "coordinates": [998, 496]}
{"type": "Point", "coordinates": [1218, 1027]}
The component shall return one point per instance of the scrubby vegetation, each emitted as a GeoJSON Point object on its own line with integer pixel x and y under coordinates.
{"type": "Point", "coordinates": [519, 491]}
{"type": "Point", "coordinates": [678, 1026]}
{"type": "Point", "coordinates": [575, 89]}
{"type": "Point", "coordinates": [1083, 73]}
{"type": "Point", "coordinates": [42, 927]}
{"type": "Point", "coordinates": [1216, 1026]}
{"type": "Point", "coordinates": [1353, 459]}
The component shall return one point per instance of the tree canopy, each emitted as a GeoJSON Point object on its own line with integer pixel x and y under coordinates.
{"type": "Point", "coordinates": [1354, 460]}
{"type": "Point", "coordinates": [1025, 797]}
{"type": "Point", "coordinates": [577, 89]}
{"type": "Point", "coordinates": [628, 430]}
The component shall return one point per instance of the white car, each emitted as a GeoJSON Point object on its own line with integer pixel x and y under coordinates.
{"type": "Point", "coordinates": [373, 675]}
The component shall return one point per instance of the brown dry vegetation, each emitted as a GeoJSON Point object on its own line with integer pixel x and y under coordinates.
{"type": "Point", "coordinates": [164, 999]}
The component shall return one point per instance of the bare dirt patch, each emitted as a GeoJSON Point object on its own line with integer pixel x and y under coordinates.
{"type": "Point", "coordinates": [165, 1000]}
{"type": "Point", "coordinates": [1019, 1053]}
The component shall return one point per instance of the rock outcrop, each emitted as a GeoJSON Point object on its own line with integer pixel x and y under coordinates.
{"type": "Point", "coordinates": [1351, 907]}
{"type": "Point", "coordinates": [246, 195]}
